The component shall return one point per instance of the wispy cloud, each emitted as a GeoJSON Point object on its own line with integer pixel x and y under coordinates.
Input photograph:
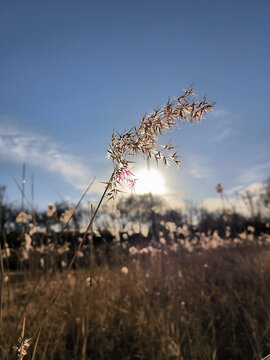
{"type": "Point", "coordinates": [223, 134]}
{"type": "Point", "coordinates": [216, 204]}
{"type": "Point", "coordinates": [19, 146]}
{"type": "Point", "coordinates": [197, 167]}
{"type": "Point", "coordinates": [238, 203]}
{"type": "Point", "coordinates": [234, 190]}
{"type": "Point", "coordinates": [212, 204]}
{"type": "Point", "coordinates": [255, 189]}
{"type": "Point", "coordinates": [223, 127]}
{"type": "Point", "coordinates": [255, 173]}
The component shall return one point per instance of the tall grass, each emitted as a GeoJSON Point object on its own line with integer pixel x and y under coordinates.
{"type": "Point", "coordinates": [212, 304]}
{"type": "Point", "coordinates": [141, 140]}
{"type": "Point", "coordinates": [164, 304]}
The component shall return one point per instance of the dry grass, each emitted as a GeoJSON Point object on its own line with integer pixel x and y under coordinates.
{"type": "Point", "coordinates": [143, 139]}
{"type": "Point", "coordinates": [208, 305]}
{"type": "Point", "coordinates": [166, 304]}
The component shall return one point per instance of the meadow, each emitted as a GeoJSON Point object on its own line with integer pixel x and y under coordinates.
{"type": "Point", "coordinates": [139, 282]}
{"type": "Point", "coordinates": [162, 291]}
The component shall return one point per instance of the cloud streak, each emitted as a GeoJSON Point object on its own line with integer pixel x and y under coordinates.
{"type": "Point", "coordinates": [18, 146]}
{"type": "Point", "coordinates": [223, 128]}
{"type": "Point", "coordinates": [255, 173]}
{"type": "Point", "coordinates": [197, 167]}
{"type": "Point", "coordinates": [238, 203]}
{"type": "Point", "coordinates": [224, 134]}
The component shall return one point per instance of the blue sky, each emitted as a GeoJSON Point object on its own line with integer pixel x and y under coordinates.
{"type": "Point", "coordinates": [72, 71]}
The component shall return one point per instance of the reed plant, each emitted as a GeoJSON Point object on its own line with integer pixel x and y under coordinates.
{"type": "Point", "coordinates": [157, 304]}
{"type": "Point", "coordinates": [215, 305]}
{"type": "Point", "coordinates": [141, 140]}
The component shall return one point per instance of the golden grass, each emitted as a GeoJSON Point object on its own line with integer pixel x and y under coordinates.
{"type": "Point", "coordinates": [201, 305]}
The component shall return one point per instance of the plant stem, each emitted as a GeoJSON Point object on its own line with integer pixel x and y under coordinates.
{"type": "Point", "coordinates": [2, 285]}
{"type": "Point", "coordinates": [48, 308]}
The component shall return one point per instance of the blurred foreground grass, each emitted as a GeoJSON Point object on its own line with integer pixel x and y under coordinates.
{"type": "Point", "coordinates": [212, 304]}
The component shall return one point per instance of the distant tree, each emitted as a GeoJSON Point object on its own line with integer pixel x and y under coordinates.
{"type": "Point", "coordinates": [248, 198]}
{"type": "Point", "coordinates": [265, 196]}
{"type": "Point", "coordinates": [174, 216]}
{"type": "Point", "coordinates": [207, 220]}
{"type": "Point", "coordinates": [140, 207]}
{"type": "Point", "coordinates": [50, 217]}
{"type": "Point", "coordinates": [191, 212]}
{"type": "Point", "coordinates": [2, 192]}
{"type": "Point", "coordinates": [8, 213]}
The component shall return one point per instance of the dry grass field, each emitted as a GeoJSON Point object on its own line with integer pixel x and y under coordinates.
{"type": "Point", "coordinates": [150, 284]}
{"type": "Point", "coordinates": [209, 304]}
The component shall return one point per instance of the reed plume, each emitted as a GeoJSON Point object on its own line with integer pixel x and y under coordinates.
{"type": "Point", "coordinates": [143, 140]}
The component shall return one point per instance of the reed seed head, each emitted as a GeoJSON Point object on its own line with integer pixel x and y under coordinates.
{"type": "Point", "coordinates": [21, 348]}
{"type": "Point", "coordinates": [142, 140]}
{"type": "Point", "coordinates": [219, 189]}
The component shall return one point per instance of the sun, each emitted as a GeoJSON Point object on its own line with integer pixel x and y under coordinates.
{"type": "Point", "coordinates": [149, 181]}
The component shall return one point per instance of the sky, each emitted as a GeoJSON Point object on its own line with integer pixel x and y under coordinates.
{"type": "Point", "coordinates": [72, 71]}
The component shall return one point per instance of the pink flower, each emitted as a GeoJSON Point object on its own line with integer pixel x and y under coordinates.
{"type": "Point", "coordinates": [132, 183]}
{"type": "Point", "coordinates": [121, 176]}
{"type": "Point", "coordinates": [124, 174]}
{"type": "Point", "coordinates": [125, 178]}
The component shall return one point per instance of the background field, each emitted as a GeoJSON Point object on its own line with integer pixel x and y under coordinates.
{"type": "Point", "coordinates": [146, 285]}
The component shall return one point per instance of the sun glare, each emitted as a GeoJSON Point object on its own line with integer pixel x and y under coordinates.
{"type": "Point", "coordinates": [149, 181]}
